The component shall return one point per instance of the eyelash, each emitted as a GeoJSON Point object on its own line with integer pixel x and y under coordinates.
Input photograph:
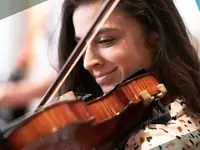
{"type": "Point", "coordinates": [106, 42]}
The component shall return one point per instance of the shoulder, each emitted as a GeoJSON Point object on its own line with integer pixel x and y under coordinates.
{"type": "Point", "coordinates": [180, 132]}
{"type": "Point", "coordinates": [164, 137]}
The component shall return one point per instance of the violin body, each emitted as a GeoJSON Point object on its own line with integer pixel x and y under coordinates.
{"type": "Point", "coordinates": [76, 124]}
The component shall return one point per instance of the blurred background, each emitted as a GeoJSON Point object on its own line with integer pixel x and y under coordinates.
{"type": "Point", "coordinates": [28, 51]}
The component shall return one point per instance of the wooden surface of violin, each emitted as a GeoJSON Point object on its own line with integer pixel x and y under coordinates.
{"type": "Point", "coordinates": [76, 124]}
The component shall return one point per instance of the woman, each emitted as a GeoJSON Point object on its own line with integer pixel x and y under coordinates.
{"type": "Point", "coordinates": [147, 34]}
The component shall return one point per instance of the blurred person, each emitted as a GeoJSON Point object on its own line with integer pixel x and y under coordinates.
{"type": "Point", "coordinates": [33, 63]}
{"type": "Point", "coordinates": [15, 93]}
{"type": "Point", "coordinates": [21, 93]}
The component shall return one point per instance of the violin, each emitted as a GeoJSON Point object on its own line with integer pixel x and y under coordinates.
{"type": "Point", "coordinates": [76, 124]}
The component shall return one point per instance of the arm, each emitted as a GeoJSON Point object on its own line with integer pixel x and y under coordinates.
{"type": "Point", "coordinates": [23, 92]}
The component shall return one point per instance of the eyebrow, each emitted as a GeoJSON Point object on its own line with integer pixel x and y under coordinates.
{"type": "Point", "coordinates": [101, 31]}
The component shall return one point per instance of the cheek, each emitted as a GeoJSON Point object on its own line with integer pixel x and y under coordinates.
{"type": "Point", "coordinates": [129, 63]}
{"type": "Point", "coordinates": [128, 60]}
{"type": "Point", "coordinates": [134, 57]}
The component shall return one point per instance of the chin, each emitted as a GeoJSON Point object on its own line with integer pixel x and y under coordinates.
{"type": "Point", "coordinates": [108, 88]}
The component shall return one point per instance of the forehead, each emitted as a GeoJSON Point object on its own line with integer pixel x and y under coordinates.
{"type": "Point", "coordinates": [84, 16]}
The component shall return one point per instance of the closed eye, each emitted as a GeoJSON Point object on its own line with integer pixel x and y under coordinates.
{"type": "Point", "coordinates": [106, 42]}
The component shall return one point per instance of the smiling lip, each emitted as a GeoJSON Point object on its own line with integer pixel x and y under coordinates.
{"type": "Point", "coordinates": [105, 78]}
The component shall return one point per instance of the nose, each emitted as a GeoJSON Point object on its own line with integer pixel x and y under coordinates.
{"type": "Point", "coordinates": [92, 59]}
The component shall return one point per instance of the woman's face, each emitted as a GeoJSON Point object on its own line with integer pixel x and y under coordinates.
{"type": "Point", "coordinates": [117, 51]}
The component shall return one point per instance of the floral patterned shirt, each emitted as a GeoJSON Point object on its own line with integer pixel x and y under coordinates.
{"type": "Point", "coordinates": [181, 132]}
